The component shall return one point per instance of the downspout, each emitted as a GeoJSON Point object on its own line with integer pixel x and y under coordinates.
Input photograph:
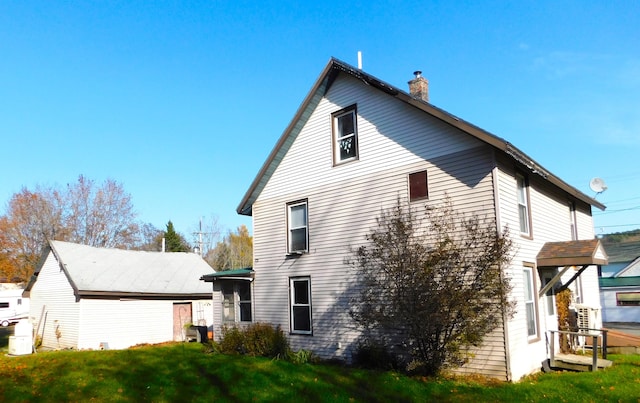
{"type": "Point", "coordinates": [496, 204]}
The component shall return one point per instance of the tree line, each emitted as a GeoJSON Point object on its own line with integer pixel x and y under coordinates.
{"type": "Point", "coordinates": [100, 215]}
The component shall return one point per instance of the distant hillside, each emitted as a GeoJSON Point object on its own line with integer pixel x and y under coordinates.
{"type": "Point", "coordinates": [618, 237]}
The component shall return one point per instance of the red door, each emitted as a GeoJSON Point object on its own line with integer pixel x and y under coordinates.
{"type": "Point", "coordinates": [181, 316]}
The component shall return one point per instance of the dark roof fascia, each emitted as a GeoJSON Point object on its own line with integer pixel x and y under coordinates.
{"type": "Point", "coordinates": [324, 81]}
{"type": "Point", "coordinates": [607, 282]}
{"type": "Point", "coordinates": [90, 294]}
{"type": "Point", "coordinates": [38, 268]}
{"type": "Point", "coordinates": [63, 267]}
{"type": "Point", "coordinates": [241, 274]}
{"type": "Point", "coordinates": [318, 90]}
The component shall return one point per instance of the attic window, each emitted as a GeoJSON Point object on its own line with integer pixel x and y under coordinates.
{"type": "Point", "coordinates": [345, 135]}
{"type": "Point", "coordinates": [418, 188]}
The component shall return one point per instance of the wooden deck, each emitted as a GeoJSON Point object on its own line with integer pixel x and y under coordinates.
{"type": "Point", "coordinates": [578, 362]}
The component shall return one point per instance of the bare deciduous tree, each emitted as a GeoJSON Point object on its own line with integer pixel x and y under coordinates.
{"type": "Point", "coordinates": [100, 216]}
{"type": "Point", "coordinates": [83, 212]}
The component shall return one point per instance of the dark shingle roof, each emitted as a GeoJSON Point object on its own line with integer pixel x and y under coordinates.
{"type": "Point", "coordinates": [572, 253]}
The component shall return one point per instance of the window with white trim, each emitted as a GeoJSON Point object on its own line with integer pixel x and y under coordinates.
{"type": "Point", "coordinates": [572, 221]}
{"type": "Point", "coordinates": [524, 216]}
{"type": "Point", "coordinates": [550, 299]}
{"type": "Point", "coordinates": [297, 228]}
{"type": "Point", "coordinates": [345, 135]}
{"type": "Point", "coordinates": [530, 303]}
{"type": "Point", "coordinates": [300, 299]}
{"type": "Point", "coordinates": [236, 301]}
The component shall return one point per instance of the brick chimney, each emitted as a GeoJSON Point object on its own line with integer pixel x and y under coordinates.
{"type": "Point", "coordinates": [419, 87]}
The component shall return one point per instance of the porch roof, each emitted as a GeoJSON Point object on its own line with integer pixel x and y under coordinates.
{"type": "Point", "coordinates": [237, 274]}
{"type": "Point", "coordinates": [572, 253]}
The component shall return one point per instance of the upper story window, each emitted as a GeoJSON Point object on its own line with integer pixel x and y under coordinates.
{"type": "Point", "coordinates": [572, 221]}
{"type": "Point", "coordinates": [524, 214]}
{"type": "Point", "coordinates": [345, 135]}
{"type": "Point", "coordinates": [297, 229]}
{"type": "Point", "coordinates": [418, 188]}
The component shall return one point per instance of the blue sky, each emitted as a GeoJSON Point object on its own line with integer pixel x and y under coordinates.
{"type": "Point", "coordinates": [181, 102]}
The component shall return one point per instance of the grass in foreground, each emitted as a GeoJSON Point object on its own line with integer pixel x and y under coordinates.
{"type": "Point", "coordinates": [184, 372]}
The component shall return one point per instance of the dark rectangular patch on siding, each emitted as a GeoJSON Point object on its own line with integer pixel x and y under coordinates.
{"type": "Point", "coordinates": [418, 188]}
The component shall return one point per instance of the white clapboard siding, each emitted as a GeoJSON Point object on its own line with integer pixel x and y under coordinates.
{"type": "Point", "coordinates": [344, 201]}
{"type": "Point", "coordinates": [550, 223]}
{"type": "Point", "coordinates": [124, 323]}
{"type": "Point", "coordinates": [59, 321]}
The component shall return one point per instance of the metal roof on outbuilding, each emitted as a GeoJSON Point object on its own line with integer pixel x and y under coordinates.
{"type": "Point", "coordinates": [102, 271]}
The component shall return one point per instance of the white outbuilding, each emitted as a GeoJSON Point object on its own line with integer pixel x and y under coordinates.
{"type": "Point", "coordinates": [84, 297]}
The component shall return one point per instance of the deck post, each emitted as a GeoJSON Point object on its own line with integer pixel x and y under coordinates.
{"type": "Point", "coordinates": [595, 353]}
{"type": "Point", "coordinates": [604, 343]}
{"type": "Point", "coordinates": [552, 348]}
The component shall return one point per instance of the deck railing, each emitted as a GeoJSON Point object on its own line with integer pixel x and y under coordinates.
{"type": "Point", "coordinates": [583, 332]}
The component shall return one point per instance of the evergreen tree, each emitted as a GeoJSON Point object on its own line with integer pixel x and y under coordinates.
{"type": "Point", "coordinates": [174, 242]}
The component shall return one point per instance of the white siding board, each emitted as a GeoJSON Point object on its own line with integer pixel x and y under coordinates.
{"type": "Point", "coordinates": [124, 323]}
{"type": "Point", "coordinates": [550, 223]}
{"type": "Point", "coordinates": [342, 209]}
{"type": "Point", "coordinates": [54, 292]}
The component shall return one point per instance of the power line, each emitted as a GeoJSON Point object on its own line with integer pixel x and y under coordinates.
{"type": "Point", "coordinates": [598, 213]}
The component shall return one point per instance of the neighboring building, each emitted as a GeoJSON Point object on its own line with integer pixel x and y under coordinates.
{"type": "Point", "coordinates": [354, 147]}
{"type": "Point", "coordinates": [84, 297]}
{"type": "Point", "coordinates": [13, 306]}
{"type": "Point", "coordinates": [620, 283]}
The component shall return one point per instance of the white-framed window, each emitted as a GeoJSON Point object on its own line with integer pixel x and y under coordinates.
{"type": "Point", "coordinates": [572, 221]}
{"type": "Point", "coordinates": [297, 227]}
{"type": "Point", "coordinates": [524, 215]}
{"type": "Point", "coordinates": [418, 186]}
{"type": "Point", "coordinates": [300, 299]}
{"type": "Point", "coordinates": [550, 299]}
{"type": "Point", "coordinates": [530, 302]}
{"type": "Point", "coordinates": [236, 301]}
{"type": "Point", "coordinates": [345, 135]}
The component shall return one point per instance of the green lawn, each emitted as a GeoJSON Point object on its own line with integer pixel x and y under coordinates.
{"type": "Point", "coordinates": [185, 372]}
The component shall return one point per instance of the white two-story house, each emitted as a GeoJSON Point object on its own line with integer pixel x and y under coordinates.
{"type": "Point", "coordinates": [355, 146]}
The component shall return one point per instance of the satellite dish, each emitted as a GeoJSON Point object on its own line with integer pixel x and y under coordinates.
{"type": "Point", "coordinates": [597, 185]}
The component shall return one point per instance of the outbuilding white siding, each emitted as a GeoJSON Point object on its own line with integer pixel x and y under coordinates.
{"type": "Point", "coordinates": [63, 317]}
{"type": "Point", "coordinates": [55, 312]}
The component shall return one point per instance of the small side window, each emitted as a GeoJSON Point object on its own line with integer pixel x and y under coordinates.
{"type": "Point", "coordinates": [524, 213]}
{"type": "Point", "coordinates": [418, 188]}
{"type": "Point", "coordinates": [628, 298]}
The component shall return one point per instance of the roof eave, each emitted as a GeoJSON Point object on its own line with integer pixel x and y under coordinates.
{"type": "Point", "coordinates": [334, 66]}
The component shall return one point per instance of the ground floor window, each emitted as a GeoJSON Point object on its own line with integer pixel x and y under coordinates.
{"type": "Point", "coordinates": [530, 303]}
{"type": "Point", "coordinates": [300, 297]}
{"type": "Point", "coordinates": [628, 298]}
{"type": "Point", "coordinates": [236, 301]}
